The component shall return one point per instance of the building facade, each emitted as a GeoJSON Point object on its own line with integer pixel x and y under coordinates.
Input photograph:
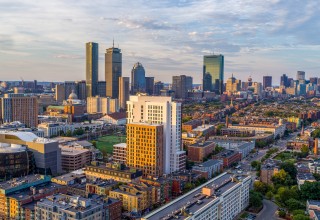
{"type": "Point", "coordinates": [138, 79]}
{"type": "Point", "coordinates": [113, 70]}
{"type": "Point", "coordinates": [181, 85]}
{"type": "Point", "coordinates": [267, 81]}
{"type": "Point", "coordinates": [213, 73]}
{"type": "Point", "coordinates": [161, 110]}
{"type": "Point", "coordinates": [92, 68]}
{"type": "Point", "coordinates": [123, 91]}
{"type": "Point", "coordinates": [145, 148]}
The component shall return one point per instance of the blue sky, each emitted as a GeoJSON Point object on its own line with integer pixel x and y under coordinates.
{"type": "Point", "coordinates": [45, 40]}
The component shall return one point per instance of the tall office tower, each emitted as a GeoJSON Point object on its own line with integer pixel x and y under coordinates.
{"type": "Point", "coordinates": [92, 68]}
{"type": "Point", "coordinates": [123, 91]}
{"type": "Point", "coordinates": [189, 83]}
{"type": "Point", "coordinates": [145, 148]}
{"type": "Point", "coordinates": [113, 70]}
{"type": "Point", "coordinates": [81, 90]}
{"type": "Point", "coordinates": [267, 81]}
{"type": "Point", "coordinates": [180, 85]}
{"type": "Point", "coordinates": [301, 75]}
{"type": "Point", "coordinates": [161, 110]}
{"type": "Point", "coordinates": [213, 67]}
{"type": "Point", "coordinates": [149, 85]}
{"type": "Point", "coordinates": [233, 84]}
{"type": "Point", "coordinates": [59, 92]}
{"type": "Point", "coordinates": [69, 87]}
{"type": "Point", "coordinates": [17, 107]}
{"type": "Point", "coordinates": [138, 79]}
{"type": "Point", "coordinates": [314, 80]}
{"type": "Point", "coordinates": [284, 81]}
{"type": "Point", "coordinates": [102, 89]}
{"type": "Point", "coordinates": [158, 86]}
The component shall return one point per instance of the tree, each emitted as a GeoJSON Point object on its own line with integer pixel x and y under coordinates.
{"type": "Point", "coordinates": [283, 195]}
{"type": "Point", "coordinates": [218, 130]}
{"type": "Point", "coordinates": [282, 214]}
{"type": "Point", "coordinates": [304, 150]}
{"type": "Point", "coordinates": [94, 143]}
{"type": "Point", "coordinates": [282, 178]}
{"type": "Point", "coordinates": [255, 199]}
{"type": "Point", "coordinates": [269, 195]}
{"type": "Point", "coordinates": [260, 187]}
{"type": "Point", "coordinates": [293, 204]}
{"type": "Point", "coordinates": [256, 164]}
{"type": "Point", "coordinates": [310, 190]}
{"type": "Point", "coordinates": [301, 217]}
{"type": "Point", "coordinates": [69, 133]}
{"type": "Point", "coordinates": [290, 168]}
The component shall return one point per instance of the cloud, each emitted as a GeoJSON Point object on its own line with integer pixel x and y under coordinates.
{"type": "Point", "coordinates": [170, 37]}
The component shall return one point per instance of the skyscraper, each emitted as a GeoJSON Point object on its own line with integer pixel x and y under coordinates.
{"type": "Point", "coordinates": [113, 70]}
{"type": "Point", "coordinates": [138, 79]}
{"type": "Point", "coordinates": [284, 81]}
{"type": "Point", "coordinates": [123, 91]}
{"type": "Point", "coordinates": [161, 110]}
{"type": "Point", "coordinates": [213, 66]}
{"type": "Point", "coordinates": [92, 57]}
{"type": "Point", "coordinates": [181, 85]}
{"type": "Point", "coordinates": [301, 75]}
{"type": "Point", "coordinates": [81, 90]}
{"type": "Point", "coordinates": [149, 85]}
{"type": "Point", "coordinates": [233, 84]}
{"type": "Point", "coordinates": [267, 81]}
{"type": "Point", "coordinates": [158, 86]}
{"type": "Point", "coordinates": [102, 89]}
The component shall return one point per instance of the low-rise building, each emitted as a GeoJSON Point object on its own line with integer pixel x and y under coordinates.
{"type": "Point", "coordinates": [228, 157]}
{"type": "Point", "coordinates": [304, 177]}
{"type": "Point", "coordinates": [71, 178]}
{"type": "Point", "coordinates": [118, 172]}
{"type": "Point", "coordinates": [190, 125]}
{"type": "Point", "coordinates": [243, 147]}
{"type": "Point", "coordinates": [313, 208]}
{"type": "Point", "coordinates": [268, 169]}
{"type": "Point", "coordinates": [198, 151]}
{"type": "Point", "coordinates": [276, 130]}
{"type": "Point", "coordinates": [314, 166]}
{"type": "Point", "coordinates": [223, 197]}
{"type": "Point", "coordinates": [73, 158]}
{"type": "Point", "coordinates": [208, 168]}
{"type": "Point", "coordinates": [116, 118]}
{"type": "Point", "coordinates": [119, 154]}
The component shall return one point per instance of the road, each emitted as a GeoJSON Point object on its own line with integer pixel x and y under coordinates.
{"type": "Point", "coordinates": [268, 211]}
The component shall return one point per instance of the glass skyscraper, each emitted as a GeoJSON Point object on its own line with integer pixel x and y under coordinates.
{"type": "Point", "coordinates": [138, 79]}
{"type": "Point", "coordinates": [113, 70]}
{"type": "Point", "coordinates": [213, 73]}
{"type": "Point", "coordinates": [92, 57]}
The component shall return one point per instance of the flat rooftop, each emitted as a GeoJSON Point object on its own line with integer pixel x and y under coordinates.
{"type": "Point", "coordinates": [221, 184]}
{"type": "Point", "coordinates": [202, 144]}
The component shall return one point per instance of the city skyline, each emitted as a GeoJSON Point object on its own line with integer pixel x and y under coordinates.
{"type": "Point", "coordinates": [44, 40]}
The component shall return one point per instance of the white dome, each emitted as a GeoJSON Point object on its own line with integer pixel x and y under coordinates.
{"type": "Point", "coordinates": [73, 95]}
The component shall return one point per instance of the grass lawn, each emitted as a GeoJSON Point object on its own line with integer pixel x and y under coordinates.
{"type": "Point", "coordinates": [105, 143]}
{"type": "Point", "coordinates": [284, 156]}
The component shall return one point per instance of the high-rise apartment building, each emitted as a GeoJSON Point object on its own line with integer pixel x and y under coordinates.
{"type": "Point", "coordinates": [161, 110]}
{"type": "Point", "coordinates": [138, 79]}
{"type": "Point", "coordinates": [145, 148]}
{"type": "Point", "coordinates": [149, 85]}
{"type": "Point", "coordinates": [92, 67]}
{"type": "Point", "coordinates": [257, 88]}
{"type": "Point", "coordinates": [233, 84]}
{"type": "Point", "coordinates": [123, 91]}
{"type": "Point", "coordinates": [69, 87]}
{"type": "Point", "coordinates": [267, 81]}
{"type": "Point", "coordinates": [181, 85]}
{"type": "Point", "coordinates": [113, 70]}
{"type": "Point", "coordinates": [213, 73]}
{"type": "Point", "coordinates": [17, 107]}
{"type": "Point", "coordinates": [301, 75]}
{"type": "Point", "coordinates": [102, 89]}
{"type": "Point", "coordinates": [59, 92]}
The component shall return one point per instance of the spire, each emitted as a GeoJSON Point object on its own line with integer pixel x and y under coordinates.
{"type": "Point", "coordinates": [112, 42]}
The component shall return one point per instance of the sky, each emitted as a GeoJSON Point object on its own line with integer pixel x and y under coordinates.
{"type": "Point", "coordinates": [45, 39]}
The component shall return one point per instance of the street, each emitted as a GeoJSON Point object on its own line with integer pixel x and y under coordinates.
{"type": "Point", "coordinates": [268, 211]}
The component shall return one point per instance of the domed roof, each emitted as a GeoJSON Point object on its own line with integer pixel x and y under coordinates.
{"type": "Point", "coordinates": [137, 65]}
{"type": "Point", "coordinates": [73, 95]}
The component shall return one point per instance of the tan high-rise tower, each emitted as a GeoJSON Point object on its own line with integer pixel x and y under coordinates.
{"type": "Point", "coordinates": [113, 70]}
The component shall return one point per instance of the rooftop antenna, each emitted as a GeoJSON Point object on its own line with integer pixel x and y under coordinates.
{"type": "Point", "coordinates": [112, 42]}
